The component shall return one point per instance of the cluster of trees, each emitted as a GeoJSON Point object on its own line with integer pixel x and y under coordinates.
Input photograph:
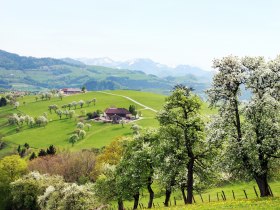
{"type": "Point", "coordinates": [58, 190]}
{"type": "Point", "coordinates": [49, 95]}
{"type": "Point", "coordinates": [95, 114]}
{"type": "Point", "coordinates": [23, 150]}
{"type": "Point", "coordinates": [79, 103]}
{"type": "Point", "coordinates": [174, 153]}
{"type": "Point", "coordinates": [35, 191]}
{"type": "Point", "coordinates": [183, 152]}
{"type": "Point", "coordinates": [79, 133]}
{"type": "Point", "coordinates": [132, 110]}
{"type": "Point", "coordinates": [19, 120]}
{"type": "Point", "coordinates": [67, 113]}
{"type": "Point", "coordinates": [76, 167]}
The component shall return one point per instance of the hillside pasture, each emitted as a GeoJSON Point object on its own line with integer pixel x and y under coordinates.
{"type": "Point", "coordinates": [57, 131]}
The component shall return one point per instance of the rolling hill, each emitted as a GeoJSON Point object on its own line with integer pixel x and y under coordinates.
{"type": "Point", "coordinates": [35, 74]}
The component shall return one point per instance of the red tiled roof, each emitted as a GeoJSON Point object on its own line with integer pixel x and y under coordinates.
{"type": "Point", "coordinates": [117, 111]}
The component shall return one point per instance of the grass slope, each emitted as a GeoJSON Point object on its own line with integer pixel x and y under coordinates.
{"type": "Point", "coordinates": [240, 202]}
{"type": "Point", "coordinates": [58, 131]}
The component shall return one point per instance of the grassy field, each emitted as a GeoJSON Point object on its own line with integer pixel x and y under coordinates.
{"type": "Point", "coordinates": [240, 202]}
{"type": "Point", "coordinates": [58, 131]}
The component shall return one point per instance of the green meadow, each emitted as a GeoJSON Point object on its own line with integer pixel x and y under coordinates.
{"type": "Point", "coordinates": [216, 202]}
{"type": "Point", "coordinates": [58, 130]}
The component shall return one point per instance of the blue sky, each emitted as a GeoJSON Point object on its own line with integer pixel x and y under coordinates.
{"type": "Point", "coordinates": [168, 31]}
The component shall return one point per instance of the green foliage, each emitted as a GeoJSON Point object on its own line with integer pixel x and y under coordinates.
{"type": "Point", "coordinates": [11, 168]}
{"type": "Point", "coordinates": [51, 150]}
{"type": "Point", "coordinates": [250, 132]}
{"type": "Point", "coordinates": [3, 101]}
{"type": "Point", "coordinates": [26, 190]}
{"type": "Point", "coordinates": [42, 153]}
{"type": "Point", "coordinates": [132, 110]}
{"type": "Point", "coordinates": [68, 197]}
{"type": "Point", "coordinates": [73, 139]}
{"type": "Point", "coordinates": [32, 156]}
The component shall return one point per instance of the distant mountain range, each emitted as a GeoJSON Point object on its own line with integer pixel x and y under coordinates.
{"type": "Point", "coordinates": [149, 67]}
{"type": "Point", "coordinates": [36, 74]}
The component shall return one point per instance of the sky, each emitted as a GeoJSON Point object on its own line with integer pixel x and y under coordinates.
{"type": "Point", "coordinates": [171, 32]}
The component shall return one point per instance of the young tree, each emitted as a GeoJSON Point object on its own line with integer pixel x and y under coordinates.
{"type": "Point", "coordinates": [16, 105]}
{"type": "Point", "coordinates": [81, 103]}
{"type": "Point", "coordinates": [94, 101]}
{"type": "Point", "coordinates": [74, 104]}
{"type": "Point", "coordinates": [88, 102]}
{"type": "Point", "coordinates": [135, 128]}
{"type": "Point", "coordinates": [82, 134]}
{"type": "Point", "coordinates": [42, 153]}
{"type": "Point", "coordinates": [3, 101]}
{"type": "Point", "coordinates": [182, 110]}
{"type": "Point", "coordinates": [80, 125]}
{"type": "Point", "coordinates": [41, 120]}
{"type": "Point", "coordinates": [71, 113]}
{"type": "Point", "coordinates": [60, 95]}
{"type": "Point", "coordinates": [59, 113]}
{"type": "Point", "coordinates": [69, 105]}
{"type": "Point", "coordinates": [73, 139]}
{"type": "Point", "coordinates": [132, 110]}
{"type": "Point", "coordinates": [88, 126]}
{"type": "Point", "coordinates": [51, 150]}
{"type": "Point", "coordinates": [67, 113]}
{"type": "Point", "coordinates": [32, 156]}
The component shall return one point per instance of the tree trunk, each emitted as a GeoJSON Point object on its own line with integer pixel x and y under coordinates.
{"type": "Point", "coordinates": [167, 196]}
{"type": "Point", "coordinates": [190, 181]}
{"type": "Point", "coordinates": [151, 192]}
{"type": "Point", "coordinates": [184, 194]}
{"type": "Point", "coordinates": [263, 185]}
{"type": "Point", "coordinates": [136, 200]}
{"type": "Point", "coordinates": [120, 204]}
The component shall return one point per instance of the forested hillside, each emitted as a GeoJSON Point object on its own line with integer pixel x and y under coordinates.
{"type": "Point", "coordinates": [29, 73]}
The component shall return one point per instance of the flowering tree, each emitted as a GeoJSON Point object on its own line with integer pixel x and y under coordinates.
{"type": "Point", "coordinates": [136, 168]}
{"type": "Point", "coordinates": [67, 196]}
{"type": "Point", "coordinates": [252, 143]}
{"type": "Point", "coordinates": [73, 139]}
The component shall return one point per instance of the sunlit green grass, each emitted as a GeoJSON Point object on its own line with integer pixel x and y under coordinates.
{"type": "Point", "coordinates": [57, 131]}
{"type": "Point", "coordinates": [240, 201]}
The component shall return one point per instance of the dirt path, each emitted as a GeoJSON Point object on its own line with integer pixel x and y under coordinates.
{"type": "Point", "coordinates": [128, 98]}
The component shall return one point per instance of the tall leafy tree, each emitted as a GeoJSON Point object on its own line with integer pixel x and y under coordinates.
{"type": "Point", "coordinates": [182, 110]}
{"type": "Point", "coordinates": [252, 142]}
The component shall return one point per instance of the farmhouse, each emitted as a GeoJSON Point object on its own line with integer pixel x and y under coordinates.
{"type": "Point", "coordinates": [116, 114]}
{"type": "Point", "coordinates": [69, 91]}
